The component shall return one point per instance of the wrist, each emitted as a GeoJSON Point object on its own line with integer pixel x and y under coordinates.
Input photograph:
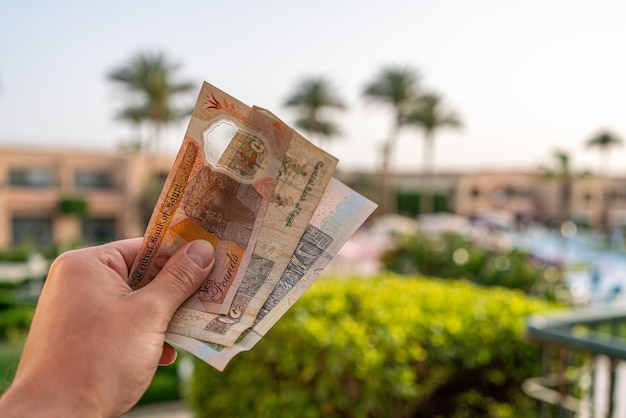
{"type": "Point", "coordinates": [29, 398]}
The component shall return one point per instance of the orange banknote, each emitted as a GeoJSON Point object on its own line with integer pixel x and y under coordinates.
{"type": "Point", "coordinates": [218, 189]}
{"type": "Point", "coordinates": [305, 172]}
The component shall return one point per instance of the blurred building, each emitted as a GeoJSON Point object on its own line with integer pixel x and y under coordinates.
{"type": "Point", "coordinates": [525, 195]}
{"type": "Point", "coordinates": [515, 192]}
{"type": "Point", "coordinates": [596, 198]}
{"type": "Point", "coordinates": [61, 197]}
{"type": "Point", "coordinates": [530, 195]}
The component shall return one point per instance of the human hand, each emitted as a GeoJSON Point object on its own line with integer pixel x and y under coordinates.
{"type": "Point", "coordinates": [94, 344]}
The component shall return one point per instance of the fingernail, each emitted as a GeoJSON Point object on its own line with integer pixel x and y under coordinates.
{"type": "Point", "coordinates": [201, 253]}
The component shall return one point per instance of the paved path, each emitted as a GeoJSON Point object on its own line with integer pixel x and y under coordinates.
{"type": "Point", "coordinates": [176, 409]}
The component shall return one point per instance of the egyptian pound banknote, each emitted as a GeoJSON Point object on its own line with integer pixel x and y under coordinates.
{"type": "Point", "coordinates": [304, 174]}
{"type": "Point", "coordinates": [340, 213]}
{"type": "Point", "coordinates": [266, 199]}
{"type": "Point", "coordinates": [219, 189]}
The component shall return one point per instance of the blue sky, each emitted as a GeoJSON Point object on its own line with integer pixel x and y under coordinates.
{"type": "Point", "coordinates": [527, 77]}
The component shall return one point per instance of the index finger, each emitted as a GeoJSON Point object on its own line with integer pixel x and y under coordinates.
{"type": "Point", "coordinates": [126, 248]}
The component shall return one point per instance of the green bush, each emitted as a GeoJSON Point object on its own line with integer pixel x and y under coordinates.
{"type": "Point", "coordinates": [14, 324]}
{"type": "Point", "coordinates": [10, 353]}
{"type": "Point", "coordinates": [454, 256]}
{"type": "Point", "coordinates": [73, 205]}
{"type": "Point", "coordinates": [164, 386]}
{"type": "Point", "coordinates": [384, 347]}
{"type": "Point", "coordinates": [16, 311]}
{"type": "Point", "coordinates": [408, 202]}
{"type": "Point", "coordinates": [23, 251]}
{"type": "Point", "coordinates": [15, 321]}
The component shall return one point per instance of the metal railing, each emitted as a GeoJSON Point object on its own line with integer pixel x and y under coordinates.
{"type": "Point", "coordinates": [584, 363]}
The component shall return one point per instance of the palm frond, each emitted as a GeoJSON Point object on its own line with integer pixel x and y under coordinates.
{"type": "Point", "coordinates": [394, 85]}
{"type": "Point", "coordinates": [311, 98]}
{"type": "Point", "coordinates": [428, 113]}
{"type": "Point", "coordinates": [604, 139]}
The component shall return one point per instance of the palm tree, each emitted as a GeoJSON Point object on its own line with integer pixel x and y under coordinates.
{"type": "Point", "coordinates": [136, 116]}
{"type": "Point", "coordinates": [604, 140]}
{"type": "Point", "coordinates": [429, 114]}
{"type": "Point", "coordinates": [396, 87]}
{"type": "Point", "coordinates": [149, 78]}
{"type": "Point", "coordinates": [563, 174]}
{"type": "Point", "coordinates": [311, 98]}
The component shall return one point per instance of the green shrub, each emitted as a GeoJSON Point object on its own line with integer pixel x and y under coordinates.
{"type": "Point", "coordinates": [23, 251]}
{"type": "Point", "coordinates": [73, 205]}
{"type": "Point", "coordinates": [10, 353]}
{"type": "Point", "coordinates": [454, 256]}
{"type": "Point", "coordinates": [16, 311]}
{"type": "Point", "coordinates": [384, 347]}
{"type": "Point", "coordinates": [15, 321]}
{"type": "Point", "coordinates": [164, 386]}
{"type": "Point", "coordinates": [408, 202]}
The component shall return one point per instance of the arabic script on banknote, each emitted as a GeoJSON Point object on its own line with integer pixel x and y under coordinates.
{"type": "Point", "coordinates": [266, 199]}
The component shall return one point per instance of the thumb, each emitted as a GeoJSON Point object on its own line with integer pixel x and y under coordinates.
{"type": "Point", "coordinates": [182, 275]}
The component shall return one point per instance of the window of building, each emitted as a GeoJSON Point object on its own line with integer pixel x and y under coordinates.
{"type": "Point", "coordinates": [526, 193]}
{"type": "Point", "coordinates": [30, 177]}
{"type": "Point", "coordinates": [32, 231]}
{"type": "Point", "coordinates": [92, 179]}
{"type": "Point", "coordinates": [475, 193]}
{"type": "Point", "coordinates": [510, 192]}
{"type": "Point", "coordinates": [99, 230]}
{"type": "Point", "coordinates": [161, 177]}
{"type": "Point", "coordinates": [611, 195]}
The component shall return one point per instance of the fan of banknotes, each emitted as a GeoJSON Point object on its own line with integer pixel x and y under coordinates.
{"type": "Point", "coordinates": [265, 197]}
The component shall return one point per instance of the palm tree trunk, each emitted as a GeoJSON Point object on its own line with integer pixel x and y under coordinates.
{"type": "Point", "coordinates": [603, 175]}
{"type": "Point", "coordinates": [427, 203]}
{"type": "Point", "coordinates": [604, 162]}
{"type": "Point", "coordinates": [384, 180]}
{"type": "Point", "coordinates": [137, 135]}
{"type": "Point", "coordinates": [566, 198]}
{"type": "Point", "coordinates": [157, 137]}
{"type": "Point", "coordinates": [387, 196]}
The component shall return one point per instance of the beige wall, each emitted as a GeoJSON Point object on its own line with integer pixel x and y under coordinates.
{"type": "Point", "coordinates": [527, 193]}
{"type": "Point", "coordinates": [481, 192]}
{"type": "Point", "coordinates": [530, 194]}
{"type": "Point", "coordinates": [127, 172]}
